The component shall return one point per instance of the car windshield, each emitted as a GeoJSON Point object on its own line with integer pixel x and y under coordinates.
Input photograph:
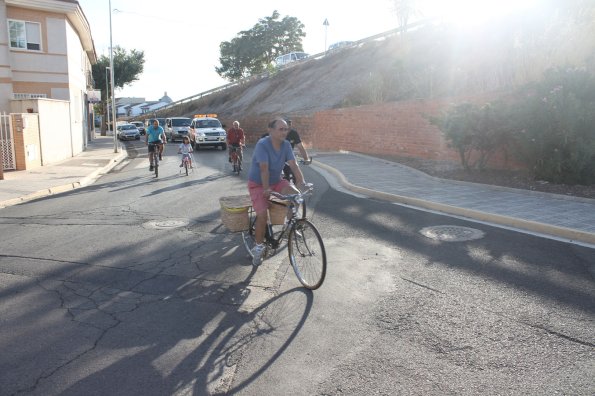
{"type": "Point", "coordinates": [208, 124]}
{"type": "Point", "coordinates": [127, 127]}
{"type": "Point", "coordinates": [180, 122]}
{"type": "Point", "coordinates": [160, 120]}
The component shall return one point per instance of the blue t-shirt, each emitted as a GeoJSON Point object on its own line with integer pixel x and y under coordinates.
{"type": "Point", "coordinates": [265, 153]}
{"type": "Point", "coordinates": [154, 134]}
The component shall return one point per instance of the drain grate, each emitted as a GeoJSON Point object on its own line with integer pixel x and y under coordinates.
{"type": "Point", "coordinates": [166, 224]}
{"type": "Point", "coordinates": [451, 233]}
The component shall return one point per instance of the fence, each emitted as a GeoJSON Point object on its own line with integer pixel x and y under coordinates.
{"type": "Point", "coordinates": [7, 142]}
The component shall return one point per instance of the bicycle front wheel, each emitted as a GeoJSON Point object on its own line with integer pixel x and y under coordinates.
{"type": "Point", "coordinates": [306, 254]}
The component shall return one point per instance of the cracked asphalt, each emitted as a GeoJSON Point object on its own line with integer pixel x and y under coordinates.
{"type": "Point", "coordinates": [99, 297]}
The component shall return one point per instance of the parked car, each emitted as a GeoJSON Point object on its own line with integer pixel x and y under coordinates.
{"type": "Point", "coordinates": [339, 45]}
{"type": "Point", "coordinates": [283, 60]}
{"type": "Point", "coordinates": [128, 132]}
{"type": "Point", "coordinates": [140, 126]}
{"type": "Point", "coordinates": [206, 130]}
{"type": "Point", "coordinates": [176, 128]}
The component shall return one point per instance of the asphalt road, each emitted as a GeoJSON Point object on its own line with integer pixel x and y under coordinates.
{"type": "Point", "coordinates": [132, 286]}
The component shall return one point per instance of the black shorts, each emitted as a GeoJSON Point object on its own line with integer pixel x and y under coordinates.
{"type": "Point", "coordinates": [152, 146]}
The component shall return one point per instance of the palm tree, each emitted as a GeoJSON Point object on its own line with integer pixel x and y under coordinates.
{"type": "Point", "coordinates": [404, 9]}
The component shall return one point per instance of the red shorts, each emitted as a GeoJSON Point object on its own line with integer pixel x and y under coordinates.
{"type": "Point", "coordinates": [259, 202]}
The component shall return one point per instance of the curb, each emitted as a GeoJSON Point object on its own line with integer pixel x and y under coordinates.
{"type": "Point", "coordinates": [85, 181]}
{"type": "Point", "coordinates": [560, 232]}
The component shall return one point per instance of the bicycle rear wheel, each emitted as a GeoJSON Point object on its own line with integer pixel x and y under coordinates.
{"type": "Point", "coordinates": [307, 254]}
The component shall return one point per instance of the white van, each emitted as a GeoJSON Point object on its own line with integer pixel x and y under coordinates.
{"type": "Point", "coordinates": [282, 60]}
{"type": "Point", "coordinates": [176, 128]}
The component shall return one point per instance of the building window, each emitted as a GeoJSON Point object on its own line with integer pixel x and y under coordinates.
{"type": "Point", "coordinates": [21, 96]}
{"type": "Point", "coordinates": [25, 35]}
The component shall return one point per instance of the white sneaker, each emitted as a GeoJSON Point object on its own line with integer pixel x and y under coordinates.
{"type": "Point", "coordinates": [257, 252]}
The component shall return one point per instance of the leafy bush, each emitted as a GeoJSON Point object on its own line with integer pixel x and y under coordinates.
{"type": "Point", "coordinates": [556, 127]}
{"type": "Point", "coordinates": [550, 127]}
{"type": "Point", "coordinates": [475, 132]}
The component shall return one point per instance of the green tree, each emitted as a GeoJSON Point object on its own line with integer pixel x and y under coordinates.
{"type": "Point", "coordinates": [251, 51]}
{"type": "Point", "coordinates": [128, 66]}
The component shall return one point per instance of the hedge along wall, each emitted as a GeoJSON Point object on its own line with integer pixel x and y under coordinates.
{"type": "Point", "coordinates": [397, 128]}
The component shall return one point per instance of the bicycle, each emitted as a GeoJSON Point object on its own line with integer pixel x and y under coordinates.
{"type": "Point", "coordinates": [305, 247]}
{"type": "Point", "coordinates": [290, 177]}
{"type": "Point", "coordinates": [155, 151]}
{"type": "Point", "coordinates": [236, 158]}
{"type": "Point", "coordinates": [186, 163]}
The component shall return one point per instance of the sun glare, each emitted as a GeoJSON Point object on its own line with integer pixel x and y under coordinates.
{"type": "Point", "coordinates": [474, 12]}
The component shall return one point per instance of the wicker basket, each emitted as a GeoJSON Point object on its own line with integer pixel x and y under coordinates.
{"type": "Point", "coordinates": [234, 212]}
{"type": "Point", "coordinates": [277, 213]}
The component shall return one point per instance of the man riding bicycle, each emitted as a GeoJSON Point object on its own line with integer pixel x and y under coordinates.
{"type": "Point", "coordinates": [270, 155]}
{"type": "Point", "coordinates": [155, 139]}
{"type": "Point", "coordinates": [235, 140]}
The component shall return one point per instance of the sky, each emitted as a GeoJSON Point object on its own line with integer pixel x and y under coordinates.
{"type": "Point", "coordinates": [180, 39]}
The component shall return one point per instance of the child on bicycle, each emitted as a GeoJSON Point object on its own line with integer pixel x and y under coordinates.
{"type": "Point", "coordinates": [185, 149]}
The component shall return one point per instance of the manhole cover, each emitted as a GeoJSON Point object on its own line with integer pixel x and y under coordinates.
{"type": "Point", "coordinates": [450, 233]}
{"type": "Point", "coordinates": [165, 224]}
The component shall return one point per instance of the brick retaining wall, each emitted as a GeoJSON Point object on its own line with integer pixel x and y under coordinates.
{"type": "Point", "coordinates": [397, 128]}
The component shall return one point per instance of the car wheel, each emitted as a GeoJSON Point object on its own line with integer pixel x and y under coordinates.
{"type": "Point", "coordinates": [223, 146]}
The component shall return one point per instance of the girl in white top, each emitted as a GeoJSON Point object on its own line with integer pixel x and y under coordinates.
{"type": "Point", "coordinates": [185, 149]}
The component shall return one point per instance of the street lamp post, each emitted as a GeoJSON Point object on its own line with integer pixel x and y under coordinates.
{"type": "Point", "coordinates": [325, 23]}
{"type": "Point", "coordinates": [111, 67]}
{"type": "Point", "coordinates": [107, 101]}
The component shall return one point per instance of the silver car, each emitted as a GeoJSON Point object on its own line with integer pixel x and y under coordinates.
{"type": "Point", "coordinates": [128, 132]}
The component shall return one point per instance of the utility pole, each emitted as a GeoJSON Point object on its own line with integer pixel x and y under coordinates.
{"type": "Point", "coordinates": [111, 66]}
{"type": "Point", "coordinates": [107, 101]}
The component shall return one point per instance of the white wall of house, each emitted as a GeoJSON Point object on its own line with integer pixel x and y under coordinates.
{"type": "Point", "coordinates": [54, 127]}
{"type": "Point", "coordinates": [77, 67]}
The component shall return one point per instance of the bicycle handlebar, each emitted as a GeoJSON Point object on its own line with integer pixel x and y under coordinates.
{"type": "Point", "coordinates": [308, 188]}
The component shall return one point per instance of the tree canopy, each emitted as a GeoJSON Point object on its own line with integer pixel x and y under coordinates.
{"type": "Point", "coordinates": [252, 51]}
{"type": "Point", "coordinates": [128, 66]}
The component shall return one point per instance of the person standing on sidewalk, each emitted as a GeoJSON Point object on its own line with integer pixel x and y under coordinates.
{"type": "Point", "coordinates": [155, 139]}
{"type": "Point", "coordinates": [269, 157]}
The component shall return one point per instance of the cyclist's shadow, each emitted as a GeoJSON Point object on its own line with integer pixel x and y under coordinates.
{"type": "Point", "coordinates": [160, 337]}
{"type": "Point", "coordinates": [277, 323]}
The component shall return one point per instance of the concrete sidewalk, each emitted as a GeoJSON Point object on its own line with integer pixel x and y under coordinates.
{"type": "Point", "coordinates": [559, 216]}
{"type": "Point", "coordinates": [75, 172]}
